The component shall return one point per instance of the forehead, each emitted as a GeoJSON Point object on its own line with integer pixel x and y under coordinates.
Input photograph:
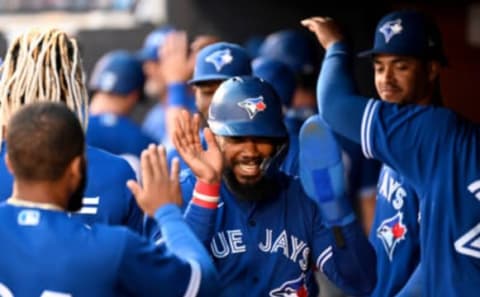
{"type": "Point", "coordinates": [208, 86]}
{"type": "Point", "coordinates": [390, 59]}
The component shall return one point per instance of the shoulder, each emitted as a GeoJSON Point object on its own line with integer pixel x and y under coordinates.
{"type": "Point", "coordinates": [103, 161]}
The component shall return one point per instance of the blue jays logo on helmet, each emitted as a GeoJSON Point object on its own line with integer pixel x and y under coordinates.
{"type": "Point", "coordinates": [391, 28]}
{"type": "Point", "coordinates": [253, 105]}
{"type": "Point", "coordinates": [292, 288]}
{"type": "Point", "coordinates": [391, 232]}
{"type": "Point", "coordinates": [220, 58]}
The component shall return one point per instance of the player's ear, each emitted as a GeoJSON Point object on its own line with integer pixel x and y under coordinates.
{"type": "Point", "coordinates": [433, 70]}
{"type": "Point", "coordinates": [8, 164]}
{"type": "Point", "coordinates": [74, 170]}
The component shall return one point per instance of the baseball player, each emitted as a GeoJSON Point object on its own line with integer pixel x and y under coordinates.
{"type": "Point", "coordinates": [46, 253]}
{"type": "Point", "coordinates": [155, 87]}
{"type": "Point", "coordinates": [117, 85]}
{"type": "Point", "coordinates": [434, 149]}
{"type": "Point", "coordinates": [264, 233]}
{"type": "Point", "coordinates": [406, 71]}
{"type": "Point", "coordinates": [58, 77]}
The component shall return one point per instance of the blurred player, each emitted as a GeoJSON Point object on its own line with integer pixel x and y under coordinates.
{"type": "Point", "coordinates": [406, 71]}
{"type": "Point", "coordinates": [46, 253]}
{"type": "Point", "coordinates": [45, 66]}
{"type": "Point", "coordinates": [265, 234]}
{"type": "Point", "coordinates": [432, 147]}
{"type": "Point", "coordinates": [117, 82]}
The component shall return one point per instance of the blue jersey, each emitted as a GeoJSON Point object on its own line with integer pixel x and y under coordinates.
{"type": "Point", "coordinates": [362, 173]}
{"type": "Point", "coordinates": [116, 134]}
{"type": "Point", "coordinates": [107, 198]}
{"type": "Point", "coordinates": [436, 151]}
{"type": "Point", "coordinates": [47, 253]}
{"type": "Point", "coordinates": [395, 232]}
{"type": "Point", "coordinates": [270, 248]}
{"type": "Point", "coordinates": [154, 124]}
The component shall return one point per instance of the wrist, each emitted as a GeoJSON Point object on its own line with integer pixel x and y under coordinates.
{"type": "Point", "coordinates": [206, 195]}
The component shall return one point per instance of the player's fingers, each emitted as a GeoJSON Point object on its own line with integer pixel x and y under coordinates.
{"type": "Point", "coordinates": [180, 133]}
{"type": "Point", "coordinates": [196, 129]}
{"type": "Point", "coordinates": [210, 139]}
{"type": "Point", "coordinates": [175, 170]}
{"type": "Point", "coordinates": [135, 188]}
{"type": "Point", "coordinates": [187, 124]}
{"type": "Point", "coordinates": [182, 45]}
{"type": "Point", "coordinates": [146, 167]}
{"type": "Point", "coordinates": [154, 161]}
{"type": "Point", "coordinates": [162, 162]}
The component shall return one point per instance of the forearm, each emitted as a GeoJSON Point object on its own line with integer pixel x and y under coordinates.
{"type": "Point", "coordinates": [184, 244]}
{"type": "Point", "coordinates": [338, 103]}
{"type": "Point", "coordinates": [202, 210]}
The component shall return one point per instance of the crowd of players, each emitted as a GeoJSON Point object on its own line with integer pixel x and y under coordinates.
{"type": "Point", "coordinates": [252, 175]}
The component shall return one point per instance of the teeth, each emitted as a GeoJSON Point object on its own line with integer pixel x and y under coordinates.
{"type": "Point", "coordinates": [248, 168]}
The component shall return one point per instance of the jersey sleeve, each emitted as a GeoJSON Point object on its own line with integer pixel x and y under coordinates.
{"type": "Point", "coordinates": [345, 256]}
{"type": "Point", "coordinates": [407, 138]}
{"type": "Point", "coordinates": [150, 269]}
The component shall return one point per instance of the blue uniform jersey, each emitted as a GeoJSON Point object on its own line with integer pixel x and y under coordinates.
{"type": "Point", "coordinates": [395, 232]}
{"type": "Point", "coordinates": [270, 248]}
{"type": "Point", "coordinates": [107, 199]}
{"type": "Point", "coordinates": [47, 253]}
{"type": "Point", "coordinates": [116, 134]}
{"type": "Point", "coordinates": [362, 173]}
{"type": "Point", "coordinates": [437, 152]}
{"type": "Point", "coordinates": [154, 124]}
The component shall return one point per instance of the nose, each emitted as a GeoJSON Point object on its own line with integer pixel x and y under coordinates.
{"type": "Point", "coordinates": [250, 148]}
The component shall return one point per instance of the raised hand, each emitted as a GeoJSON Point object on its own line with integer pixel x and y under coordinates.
{"type": "Point", "coordinates": [207, 165]}
{"type": "Point", "coordinates": [326, 30]}
{"type": "Point", "coordinates": [174, 58]}
{"type": "Point", "coordinates": [159, 186]}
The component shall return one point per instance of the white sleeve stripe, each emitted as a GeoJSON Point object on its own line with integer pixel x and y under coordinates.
{"type": "Point", "coordinates": [204, 197]}
{"type": "Point", "coordinates": [369, 126]}
{"type": "Point", "coordinates": [366, 127]}
{"type": "Point", "coordinates": [325, 252]}
{"type": "Point", "coordinates": [195, 278]}
{"type": "Point", "coordinates": [160, 241]}
{"type": "Point", "coordinates": [325, 259]}
{"type": "Point", "coordinates": [364, 123]}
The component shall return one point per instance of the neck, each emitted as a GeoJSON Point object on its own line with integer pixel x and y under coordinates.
{"type": "Point", "coordinates": [46, 193]}
{"type": "Point", "coordinates": [109, 103]}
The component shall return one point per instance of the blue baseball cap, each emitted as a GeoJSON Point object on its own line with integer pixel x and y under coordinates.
{"type": "Point", "coordinates": [118, 72]}
{"type": "Point", "coordinates": [153, 41]}
{"type": "Point", "coordinates": [220, 61]}
{"type": "Point", "coordinates": [278, 75]}
{"type": "Point", "coordinates": [407, 33]}
{"type": "Point", "coordinates": [294, 48]}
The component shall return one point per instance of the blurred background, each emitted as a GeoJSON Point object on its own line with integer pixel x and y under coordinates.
{"type": "Point", "coordinates": [103, 25]}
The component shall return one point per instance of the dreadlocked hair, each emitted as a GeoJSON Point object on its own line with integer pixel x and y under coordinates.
{"type": "Point", "coordinates": [42, 66]}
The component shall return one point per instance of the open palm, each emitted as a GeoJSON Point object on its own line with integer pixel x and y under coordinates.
{"type": "Point", "coordinates": [207, 165]}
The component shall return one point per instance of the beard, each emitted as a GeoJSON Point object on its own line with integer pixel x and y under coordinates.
{"type": "Point", "coordinates": [76, 198]}
{"type": "Point", "coordinates": [261, 190]}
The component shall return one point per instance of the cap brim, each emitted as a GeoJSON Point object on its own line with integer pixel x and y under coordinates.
{"type": "Point", "coordinates": [144, 55]}
{"type": "Point", "coordinates": [208, 78]}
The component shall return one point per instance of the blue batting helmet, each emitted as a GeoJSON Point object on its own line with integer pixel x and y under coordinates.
{"type": "Point", "coordinates": [278, 75]}
{"type": "Point", "coordinates": [117, 72]}
{"type": "Point", "coordinates": [407, 33]}
{"type": "Point", "coordinates": [153, 41]}
{"type": "Point", "coordinates": [246, 106]}
{"type": "Point", "coordinates": [220, 61]}
{"type": "Point", "coordinates": [294, 48]}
